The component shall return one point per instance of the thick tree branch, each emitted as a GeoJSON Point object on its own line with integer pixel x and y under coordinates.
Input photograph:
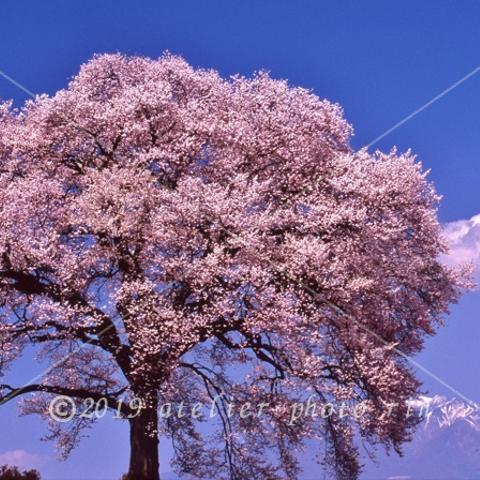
{"type": "Point", "coordinates": [108, 338]}
{"type": "Point", "coordinates": [111, 397]}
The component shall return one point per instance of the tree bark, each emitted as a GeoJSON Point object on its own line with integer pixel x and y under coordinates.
{"type": "Point", "coordinates": [144, 462]}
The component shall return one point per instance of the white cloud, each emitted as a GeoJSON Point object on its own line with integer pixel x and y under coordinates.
{"type": "Point", "coordinates": [21, 459]}
{"type": "Point", "coordinates": [463, 237]}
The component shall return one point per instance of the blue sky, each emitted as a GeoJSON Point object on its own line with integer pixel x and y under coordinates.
{"type": "Point", "coordinates": [379, 60]}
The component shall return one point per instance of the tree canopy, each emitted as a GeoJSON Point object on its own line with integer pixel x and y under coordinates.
{"type": "Point", "coordinates": [171, 235]}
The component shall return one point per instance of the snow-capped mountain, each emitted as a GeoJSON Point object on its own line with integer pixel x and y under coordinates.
{"type": "Point", "coordinates": [438, 412]}
{"type": "Point", "coordinates": [446, 445]}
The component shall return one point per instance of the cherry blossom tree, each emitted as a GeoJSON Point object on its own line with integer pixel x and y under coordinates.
{"type": "Point", "coordinates": [171, 236]}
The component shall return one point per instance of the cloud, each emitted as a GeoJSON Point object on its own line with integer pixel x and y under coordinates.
{"type": "Point", "coordinates": [463, 237]}
{"type": "Point", "coordinates": [21, 459]}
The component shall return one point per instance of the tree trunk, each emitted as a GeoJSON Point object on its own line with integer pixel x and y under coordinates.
{"type": "Point", "coordinates": [144, 463]}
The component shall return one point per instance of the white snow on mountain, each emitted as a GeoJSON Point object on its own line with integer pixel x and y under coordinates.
{"type": "Point", "coordinates": [442, 412]}
{"type": "Point", "coordinates": [446, 445]}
